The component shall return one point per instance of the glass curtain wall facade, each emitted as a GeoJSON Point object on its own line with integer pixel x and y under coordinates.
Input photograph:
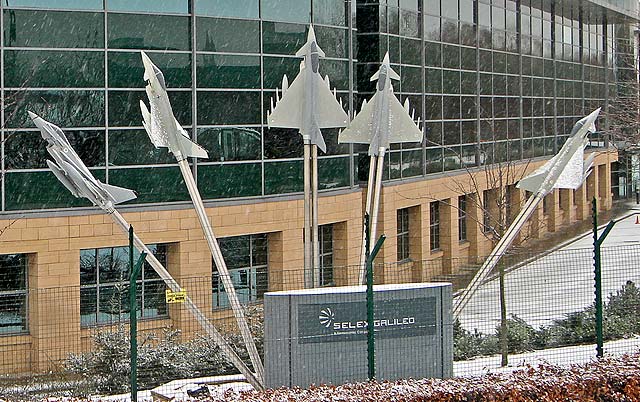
{"type": "Point", "coordinates": [495, 80]}
{"type": "Point", "coordinates": [77, 64]}
{"type": "Point", "coordinates": [492, 80]}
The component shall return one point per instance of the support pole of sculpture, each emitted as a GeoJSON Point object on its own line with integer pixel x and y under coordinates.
{"type": "Point", "coordinates": [309, 105]}
{"type": "Point", "coordinates": [76, 177]}
{"type": "Point", "coordinates": [567, 169]}
{"type": "Point", "coordinates": [165, 131]}
{"type": "Point", "coordinates": [381, 121]}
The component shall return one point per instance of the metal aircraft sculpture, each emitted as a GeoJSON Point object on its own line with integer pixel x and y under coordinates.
{"type": "Point", "coordinates": [165, 131]}
{"type": "Point", "coordinates": [567, 169]}
{"type": "Point", "coordinates": [381, 121]}
{"type": "Point", "coordinates": [160, 123]}
{"type": "Point", "coordinates": [308, 104]}
{"type": "Point", "coordinates": [76, 177]}
{"type": "Point", "coordinates": [72, 172]}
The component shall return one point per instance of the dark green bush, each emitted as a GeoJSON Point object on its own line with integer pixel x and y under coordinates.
{"type": "Point", "coordinates": [621, 319]}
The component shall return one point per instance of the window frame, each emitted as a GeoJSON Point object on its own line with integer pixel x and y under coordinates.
{"type": "Point", "coordinates": [402, 235]}
{"type": "Point", "coordinates": [24, 265]}
{"type": "Point", "coordinates": [434, 225]}
{"type": "Point", "coordinates": [161, 251]}
{"type": "Point", "coordinates": [248, 273]}
{"type": "Point", "coordinates": [462, 218]}
{"type": "Point", "coordinates": [326, 270]}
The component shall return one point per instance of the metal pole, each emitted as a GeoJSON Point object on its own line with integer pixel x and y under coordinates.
{"type": "Point", "coordinates": [597, 268]}
{"type": "Point", "coordinates": [314, 216]}
{"type": "Point", "coordinates": [597, 280]}
{"type": "Point", "coordinates": [193, 309]}
{"type": "Point", "coordinates": [376, 192]}
{"type": "Point", "coordinates": [362, 276]}
{"type": "Point", "coordinates": [238, 310]}
{"type": "Point", "coordinates": [308, 268]}
{"type": "Point", "coordinates": [134, 273]}
{"type": "Point", "coordinates": [509, 236]}
{"type": "Point", "coordinates": [371, 349]}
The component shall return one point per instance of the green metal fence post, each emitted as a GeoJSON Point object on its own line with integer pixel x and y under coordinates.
{"type": "Point", "coordinates": [134, 272]}
{"type": "Point", "coordinates": [597, 268]}
{"type": "Point", "coordinates": [369, 257]}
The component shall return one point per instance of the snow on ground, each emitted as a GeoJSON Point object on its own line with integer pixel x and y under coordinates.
{"type": "Point", "coordinates": [561, 282]}
{"type": "Point", "coordinates": [559, 356]}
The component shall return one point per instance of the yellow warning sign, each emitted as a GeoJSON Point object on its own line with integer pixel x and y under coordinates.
{"type": "Point", "coordinates": [176, 297]}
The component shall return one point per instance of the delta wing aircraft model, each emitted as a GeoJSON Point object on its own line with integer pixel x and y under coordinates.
{"type": "Point", "coordinates": [72, 172]}
{"type": "Point", "coordinates": [381, 121]}
{"type": "Point", "coordinates": [309, 105]}
{"type": "Point", "coordinates": [567, 169]}
{"type": "Point", "coordinates": [165, 131]}
{"type": "Point", "coordinates": [77, 178]}
{"type": "Point", "coordinates": [161, 125]}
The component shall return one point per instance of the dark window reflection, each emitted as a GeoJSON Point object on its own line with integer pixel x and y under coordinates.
{"type": "Point", "coordinates": [230, 180]}
{"type": "Point", "coordinates": [162, 32]}
{"type": "Point", "coordinates": [221, 35]}
{"type": "Point", "coordinates": [231, 143]}
{"type": "Point", "coordinates": [64, 108]}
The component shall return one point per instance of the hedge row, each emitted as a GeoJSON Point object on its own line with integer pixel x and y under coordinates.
{"type": "Point", "coordinates": [604, 380]}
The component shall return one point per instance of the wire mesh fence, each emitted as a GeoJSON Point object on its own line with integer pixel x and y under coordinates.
{"type": "Point", "coordinates": [76, 339]}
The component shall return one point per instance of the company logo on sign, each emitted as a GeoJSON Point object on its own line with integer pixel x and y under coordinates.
{"type": "Point", "coordinates": [331, 322]}
{"type": "Point", "coordinates": [326, 317]}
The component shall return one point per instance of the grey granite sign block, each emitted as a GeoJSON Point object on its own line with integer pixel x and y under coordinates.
{"type": "Point", "coordinates": [319, 336]}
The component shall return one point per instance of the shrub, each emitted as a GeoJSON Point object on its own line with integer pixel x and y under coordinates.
{"type": "Point", "coordinates": [162, 357]}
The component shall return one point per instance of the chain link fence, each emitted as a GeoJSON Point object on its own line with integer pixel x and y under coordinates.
{"type": "Point", "coordinates": [76, 340]}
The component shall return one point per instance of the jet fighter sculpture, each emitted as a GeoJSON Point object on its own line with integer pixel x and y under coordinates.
{"type": "Point", "coordinates": [566, 169]}
{"type": "Point", "coordinates": [308, 104]}
{"type": "Point", "coordinates": [160, 124]}
{"type": "Point", "coordinates": [383, 119]}
{"type": "Point", "coordinates": [73, 173]}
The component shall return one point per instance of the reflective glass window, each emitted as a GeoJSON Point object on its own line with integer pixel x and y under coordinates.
{"type": "Point", "coordinates": [247, 260]}
{"type": "Point", "coordinates": [40, 190]}
{"type": "Point", "coordinates": [226, 71]}
{"type": "Point", "coordinates": [283, 177]}
{"type": "Point", "coordinates": [280, 143]}
{"type": "Point", "coordinates": [221, 35]}
{"type": "Point", "coordinates": [333, 172]}
{"type": "Point", "coordinates": [226, 144]}
{"type": "Point", "coordinates": [64, 108]}
{"type": "Point", "coordinates": [161, 32]}
{"type": "Point", "coordinates": [281, 38]}
{"type": "Point", "coordinates": [228, 107]}
{"type": "Point", "coordinates": [433, 134]}
{"type": "Point", "coordinates": [225, 8]}
{"type": "Point", "coordinates": [57, 4]}
{"type": "Point", "coordinates": [124, 107]}
{"type": "Point", "coordinates": [133, 147]}
{"type": "Point", "coordinates": [286, 10]}
{"type": "Point", "coordinates": [13, 293]}
{"type": "Point", "coordinates": [152, 184]}
{"type": "Point", "coordinates": [276, 67]}
{"type": "Point", "coordinates": [230, 180]}
{"type": "Point", "coordinates": [434, 162]}
{"type": "Point", "coordinates": [38, 28]}
{"type": "Point", "coordinates": [104, 286]}
{"type": "Point", "coordinates": [330, 12]}
{"type": "Point", "coordinates": [53, 69]}
{"type": "Point", "coordinates": [333, 41]}
{"type": "Point", "coordinates": [27, 150]}
{"type": "Point", "coordinates": [150, 6]}
{"type": "Point", "coordinates": [127, 71]}
{"type": "Point", "coordinates": [337, 71]}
